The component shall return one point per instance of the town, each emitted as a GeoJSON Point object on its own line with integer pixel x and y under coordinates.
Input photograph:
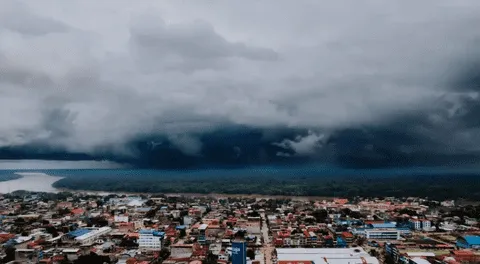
{"type": "Point", "coordinates": [209, 229]}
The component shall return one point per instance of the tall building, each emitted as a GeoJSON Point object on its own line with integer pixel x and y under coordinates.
{"type": "Point", "coordinates": [202, 237]}
{"type": "Point", "coordinates": [150, 239]}
{"type": "Point", "coordinates": [239, 252]}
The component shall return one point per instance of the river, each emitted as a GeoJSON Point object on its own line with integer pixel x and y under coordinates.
{"type": "Point", "coordinates": [30, 181]}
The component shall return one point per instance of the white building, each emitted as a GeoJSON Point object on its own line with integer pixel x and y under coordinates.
{"type": "Point", "coordinates": [92, 236]}
{"type": "Point", "coordinates": [420, 224]}
{"type": "Point", "coordinates": [175, 213]}
{"type": "Point", "coordinates": [382, 234]}
{"type": "Point", "coordinates": [187, 220]}
{"type": "Point", "coordinates": [415, 224]}
{"type": "Point", "coordinates": [120, 218]}
{"type": "Point", "coordinates": [325, 255]}
{"type": "Point", "coordinates": [426, 225]}
{"type": "Point", "coordinates": [448, 203]}
{"type": "Point", "coordinates": [470, 221]}
{"type": "Point", "coordinates": [150, 239]}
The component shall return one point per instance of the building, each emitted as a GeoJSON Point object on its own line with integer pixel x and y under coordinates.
{"type": "Point", "coordinates": [239, 253]}
{"type": "Point", "coordinates": [466, 256]}
{"type": "Point", "coordinates": [418, 260]}
{"type": "Point", "coordinates": [93, 235]}
{"type": "Point", "coordinates": [150, 239]}
{"type": "Point", "coordinates": [348, 237]}
{"type": "Point", "coordinates": [202, 229]}
{"type": "Point", "coordinates": [426, 225]}
{"type": "Point", "coordinates": [420, 224]}
{"type": "Point", "coordinates": [382, 234]}
{"type": "Point", "coordinates": [415, 224]}
{"type": "Point", "coordinates": [120, 218]}
{"type": "Point", "coordinates": [469, 242]}
{"type": "Point", "coordinates": [383, 225]}
{"type": "Point", "coordinates": [325, 255]}
{"type": "Point", "coordinates": [448, 203]}
{"type": "Point", "coordinates": [27, 255]}
{"type": "Point", "coordinates": [187, 220]}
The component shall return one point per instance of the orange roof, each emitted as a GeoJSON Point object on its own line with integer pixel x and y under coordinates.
{"type": "Point", "coordinates": [133, 235]}
{"type": "Point", "coordinates": [462, 252]}
{"type": "Point", "coordinates": [295, 262]}
{"type": "Point", "coordinates": [77, 211]}
{"type": "Point", "coordinates": [7, 235]}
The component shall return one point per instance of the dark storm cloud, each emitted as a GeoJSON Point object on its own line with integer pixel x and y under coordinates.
{"type": "Point", "coordinates": [170, 84]}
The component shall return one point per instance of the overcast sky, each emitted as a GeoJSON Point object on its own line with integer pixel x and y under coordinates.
{"type": "Point", "coordinates": [87, 75]}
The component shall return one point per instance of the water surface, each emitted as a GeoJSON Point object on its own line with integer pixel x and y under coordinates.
{"type": "Point", "coordinates": [30, 181]}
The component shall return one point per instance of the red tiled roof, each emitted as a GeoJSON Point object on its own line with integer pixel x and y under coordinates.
{"type": "Point", "coordinates": [77, 211]}
{"type": "Point", "coordinates": [294, 262]}
{"type": "Point", "coordinates": [133, 235]}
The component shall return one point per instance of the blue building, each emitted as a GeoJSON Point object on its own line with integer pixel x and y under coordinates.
{"type": "Point", "coordinates": [341, 243]}
{"type": "Point", "coordinates": [469, 242]}
{"type": "Point", "coordinates": [78, 232]}
{"type": "Point", "coordinates": [239, 253]}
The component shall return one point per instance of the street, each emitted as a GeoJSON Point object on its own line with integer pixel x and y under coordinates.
{"type": "Point", "coordinates": [267, 248]}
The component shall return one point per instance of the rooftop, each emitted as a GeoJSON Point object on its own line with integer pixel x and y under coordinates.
{"type": "Point", "coordinates": [383, 225]}
{"type": "Point", "coordinates": [472, 240]}
{"type": "Point", "coordinates": [79, 232]}
{"type": "Point", "coordinates": [324, 256]}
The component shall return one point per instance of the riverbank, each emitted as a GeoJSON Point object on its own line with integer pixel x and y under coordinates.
{"type": "Point", "coordinates": [9, 177]}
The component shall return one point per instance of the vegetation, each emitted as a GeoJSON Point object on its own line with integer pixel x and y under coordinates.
{"type": "Point", "coordinates": [9, 177]}
{"type": "Point", "coordinates": [432, 186]}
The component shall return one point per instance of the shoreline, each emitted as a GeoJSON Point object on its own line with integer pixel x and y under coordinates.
{"type": "Point", "coordinates": [27, 175]}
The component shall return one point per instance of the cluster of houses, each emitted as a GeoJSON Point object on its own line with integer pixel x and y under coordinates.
{"type": "Point", "coordinates": [94, 228]}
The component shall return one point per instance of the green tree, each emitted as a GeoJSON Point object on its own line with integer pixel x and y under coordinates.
{"type": "Point", "coordinates": [251, 254]}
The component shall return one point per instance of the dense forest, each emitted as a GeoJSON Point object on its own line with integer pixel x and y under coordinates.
{"type": "Point", "coordinates": [432, 186]}
{"type": "Point", "coordinates": [9, 177]}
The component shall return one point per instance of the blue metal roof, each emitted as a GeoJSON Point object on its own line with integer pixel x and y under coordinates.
{"type": "Point", "coordinates": [384, 225]}
{"type": "Point", "coordinates": [472, 240]}
{"type": "Point", "coordinates": [79, 232]}
{"type": "Point", "coordinates": [152, 232]}
{"type": "Point", "coordinates": [181, 227]}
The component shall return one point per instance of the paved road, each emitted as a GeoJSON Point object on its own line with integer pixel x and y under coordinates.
{"type": "Point", "coordinates": [267, 248]}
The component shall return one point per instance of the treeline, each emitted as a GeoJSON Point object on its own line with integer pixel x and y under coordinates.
{"type": "Point", "coordinates": [9, 177]}
{"type": "Point", "coordinates": [433, 186]}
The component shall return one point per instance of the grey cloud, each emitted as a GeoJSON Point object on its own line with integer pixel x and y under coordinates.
{"type": "Point", "coordinates": [187, 47]}
{"type": "Point", "coordinates": [306, 145]}
{"type": "Point", "coordinates": [186, 143]}
{"type": "Point", "coordinates": [17, 17]}
{"type": "Point", "coordinates": [45, 165]}
{"type": "Point", "coordinates": [86, 76]}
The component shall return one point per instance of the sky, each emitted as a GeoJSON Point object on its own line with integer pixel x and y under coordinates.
{"type": "Point", "coordinates": [185, 84]}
